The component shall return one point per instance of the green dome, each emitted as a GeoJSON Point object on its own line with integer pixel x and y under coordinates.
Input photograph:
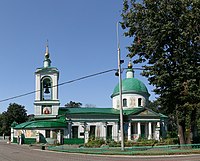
{"type": "Point", "coordinates": [131, 85]}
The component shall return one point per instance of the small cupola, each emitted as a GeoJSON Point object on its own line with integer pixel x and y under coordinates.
{"type": "Point", "coordinates": [47, 61]}
{"type": "Point", "coordinates": [130, 72]}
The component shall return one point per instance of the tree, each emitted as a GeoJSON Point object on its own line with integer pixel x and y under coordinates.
{"type": "Point", "coordinates": [15, 113]}
{"type": "Point", "coordinates": [154, 105]}
{"type": "Point", "coordinates": [1, 124]}
{"type": "Point", "coordinates": [72, 104]}
{"type": "Point", "coordinates": [166, 36]}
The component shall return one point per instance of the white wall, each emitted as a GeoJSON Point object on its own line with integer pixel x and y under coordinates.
{"type": "Point", "coordinates": [132, 100]}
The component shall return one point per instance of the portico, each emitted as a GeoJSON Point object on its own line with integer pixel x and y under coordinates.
{"type": "Point", "coordinates": [142, 129]}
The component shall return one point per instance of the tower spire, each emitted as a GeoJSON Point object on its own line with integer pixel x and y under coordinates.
{"type": "Point", "coordinates": [47, 61]}
{"type": "Point", "coordinates": [47, 50]}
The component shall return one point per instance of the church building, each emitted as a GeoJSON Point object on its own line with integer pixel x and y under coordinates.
{"type": "Point", "coordinates": [54, 124]}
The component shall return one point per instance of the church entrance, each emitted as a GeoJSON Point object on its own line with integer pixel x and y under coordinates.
{"type": "Point", "coordinates": [74, 131]}
{"type": "Point", "coordinates": [92, 131]}
{"type": "Point", "coordinates": [143, 131]}
{"type": "Point", "coordinates": [109, 132]}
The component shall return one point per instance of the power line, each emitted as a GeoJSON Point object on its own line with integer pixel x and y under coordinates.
{"type": "Point", "coordinates": [67, 82]}
{"type": "Point", "coordinates": [71, 81]}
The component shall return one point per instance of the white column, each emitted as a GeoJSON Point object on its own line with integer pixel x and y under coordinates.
{"type": "Point", "coordinates": [51, 134]}
{"type": "Point", "coordinates": [86, 137]}
{"type": "Point", "coordinates": [12, 134]}
{"type": "Point", "coordinates": [157, 132]}
{"type": "Point", "coordinates": [138, 129]}
{"type": "Point", "coordinates": [105, 131]}
{"type": "Point", "coordinates": [129, 131]}
{"type": "Point", "coordinates": [86, 133]}
{"type": "Point", "coordinates": [150, 132]}
{"type": "Point", "coordinates": [69, 135]}
{"type": "Point", "coordinates": [38, 137]}
{"type": "Point", "coordinates": [55, 88]}
{"type": "Point", "coordinates": [37, 87]}
{"type": "Point", "coordinates": [59, 137]}
{"type": "Point", "coordinates": [116, 129]}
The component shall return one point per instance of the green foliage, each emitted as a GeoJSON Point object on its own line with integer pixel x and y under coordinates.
{"type": "Point", "coordinates": [152, 142]}
{"type": "Point", "coordinates": [166, 37]}
{"type": "Point", "coordinates": [72, 104]}
{"type": "Point", "coordinates": [169, 141]}
{"type": "Point", "coordinates": [95, 143]}
{"type": "Point", "coordinates": [154, 105]}
{"type": "Point", "coordinates": [15, 113]}
{"type": "Point", "coordinates": [145, 142]}
{"type": "Point", "coordinates": [113, 143]}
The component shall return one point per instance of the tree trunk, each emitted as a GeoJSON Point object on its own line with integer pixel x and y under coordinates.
{"type": "Point", "coordinates": [181, 128]}
{"type": "Point", "coordinates": [181, 135]}
{"type": "Point", "coordinates": [188, 137]}
{"type": "Point", "coordinates": [194, 127]}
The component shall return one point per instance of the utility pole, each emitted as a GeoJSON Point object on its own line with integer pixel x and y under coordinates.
{"type": "Point", "coordinates": [120, 91]}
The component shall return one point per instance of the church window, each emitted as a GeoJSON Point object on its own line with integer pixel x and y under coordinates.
{"type": "Point", "coordinates": [47, 133]}
{"type": "Point", "coordinates": [46, 91]}
{"type": "Point", "coordinates": [139, 101]}
{"type": "Point", "coordinates": [124, 102]}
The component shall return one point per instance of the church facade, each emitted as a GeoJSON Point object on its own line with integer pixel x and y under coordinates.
{"type": "Point", "coordinates": [55, 124]}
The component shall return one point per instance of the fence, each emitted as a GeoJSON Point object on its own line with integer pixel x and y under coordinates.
{"type": "Point", "coordinates": [135, 150]}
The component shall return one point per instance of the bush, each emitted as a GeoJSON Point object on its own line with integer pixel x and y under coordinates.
{"type": "Point", "coordinates": [95, 143]}
{"type": "Point", "coordinates": [169, 141]}
{"type": "Point", "coordinates": [114, 144]}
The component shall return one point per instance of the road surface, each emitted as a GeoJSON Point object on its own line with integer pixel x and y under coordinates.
{"type": "Point", "coordinates": [14, 152]}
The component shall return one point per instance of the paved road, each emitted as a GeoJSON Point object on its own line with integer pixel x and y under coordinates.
{"type": "Point", "coordinates": [13, 152]}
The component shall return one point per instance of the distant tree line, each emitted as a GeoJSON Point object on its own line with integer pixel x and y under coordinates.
{"type": "Point", "coordinates": [73, 104]}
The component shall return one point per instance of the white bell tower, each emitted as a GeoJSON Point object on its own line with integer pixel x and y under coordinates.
{"type": "Point", "coordinates": [46, 102]}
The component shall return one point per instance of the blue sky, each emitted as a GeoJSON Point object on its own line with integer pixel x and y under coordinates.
{"type": "Point", "coordinates": [82, 41]}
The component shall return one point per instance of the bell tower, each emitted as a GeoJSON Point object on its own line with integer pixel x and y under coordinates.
{"type": "Point", "coordinates": [46, 102]}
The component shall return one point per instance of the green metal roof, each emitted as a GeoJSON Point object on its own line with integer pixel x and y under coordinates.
{"type": "Point", "coordinates": [47, 69]}
{"type": "Point", "coordinates": [49, 123]}
{"type": "Point", "coordinates": [133, 111]}
{"type": "Point", "coordinates": [74, 110]}
{"type": "Point", "coordinates": [98, 111]}
{"type": "Point", "coordinates": [131, 85]}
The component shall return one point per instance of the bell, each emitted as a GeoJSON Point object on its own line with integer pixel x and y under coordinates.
{"type": "Point", "coordinates": [46, 90]}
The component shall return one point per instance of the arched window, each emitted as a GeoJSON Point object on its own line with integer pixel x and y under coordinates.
{"type": "Point", "coordinates": [139, 101]}
{"type": "Point", "coordinates": [124, 102]}
{"type": "Point", "coordinates": [46, 88]}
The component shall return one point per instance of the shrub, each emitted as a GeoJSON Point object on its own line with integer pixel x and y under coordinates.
{"type": "Point", "coordinates": [95, 143]}
{"type": "Point", "coordinates": [169, 141]}
{"type": "Point", "coordinates": [114, 144]}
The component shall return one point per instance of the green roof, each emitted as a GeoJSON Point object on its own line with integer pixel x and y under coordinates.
{"type": "Point", "coordinates": [131, 85]}
{"type": "Point", "coordinates": [98, 111]}
{"type": "Point", "coordinates": [47, 69]}
{"type": "Point", "coordinates": [75, 110]}
{"type": "Point", "coordinates": [49, 123]}
{"type": "Point", "coordinates": [133, 111]}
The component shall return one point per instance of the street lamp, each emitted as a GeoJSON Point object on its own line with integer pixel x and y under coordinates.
{"type": "Point", "coordinates": [120, 92]}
